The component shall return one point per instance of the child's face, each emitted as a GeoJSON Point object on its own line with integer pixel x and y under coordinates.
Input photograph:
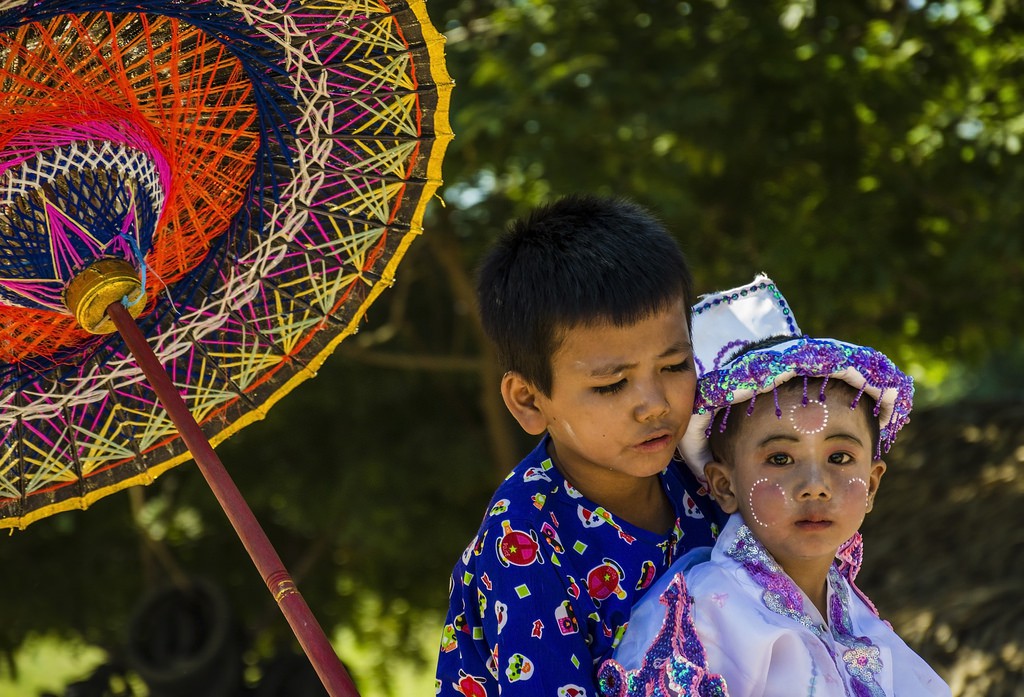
{"type": "Point", "coordinates": [621, 397]}
{"type": "Point", "coordinates": [803, 482]}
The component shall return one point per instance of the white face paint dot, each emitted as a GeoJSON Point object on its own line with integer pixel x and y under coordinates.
{"type": "Point", "coordinates": [809, 418]}
{"type": "Point", "coordinates": [860, 483]}
{"type": "Point", "coordinates": [750, 499]}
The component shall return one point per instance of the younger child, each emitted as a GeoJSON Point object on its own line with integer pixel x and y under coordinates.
{"type": "Point", "coordinates": [789, 434]}
{"type": "Point", "coordinates": [588, 303]}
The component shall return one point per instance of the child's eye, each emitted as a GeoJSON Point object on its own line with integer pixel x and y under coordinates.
{"type": "Point", "coordinates": [680, 367]}
{"type": "Point", "coordinates": [779, 459]}
{"type": "Point", "coordinates": [610, 389]}
{"type": "Point", "coordinates": [840, 458]}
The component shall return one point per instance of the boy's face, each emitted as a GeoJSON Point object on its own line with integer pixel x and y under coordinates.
{"type": "Point", "coordinates": [620, 400]}
{"type": "Point", "coordinates": [803, 482]}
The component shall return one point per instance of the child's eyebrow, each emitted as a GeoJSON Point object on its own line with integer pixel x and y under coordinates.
{"type": "Point", "coordinates": [846, 436]}
{"type": "Point", "coordinates": [793, 439]}
{"type": "Point", "coordinates": [612, 369]}
{"type": "Point", "coordinates": [777, 436]}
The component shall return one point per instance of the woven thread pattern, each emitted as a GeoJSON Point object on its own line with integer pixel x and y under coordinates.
{"type": "Point", "coordinates": [350, 126]}
{"type": "Point", "coordinates": [78, 80]}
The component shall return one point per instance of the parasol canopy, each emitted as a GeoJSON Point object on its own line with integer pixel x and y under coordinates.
{"type": "Point", "coordinates": [260, 167]}
{"type": "Point", "coordinates": [226, 185]}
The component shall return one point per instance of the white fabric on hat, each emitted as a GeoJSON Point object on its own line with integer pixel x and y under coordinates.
{"type": "Point", "coordinates": [725, 320]}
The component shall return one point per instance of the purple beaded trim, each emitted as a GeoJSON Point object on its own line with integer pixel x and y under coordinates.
{"type": "Point", "coordinates": [850, 557]}
{"type": "Point", "coordinates": [758, 371]}
{"type": "Point", "coordinates": [675, 664]}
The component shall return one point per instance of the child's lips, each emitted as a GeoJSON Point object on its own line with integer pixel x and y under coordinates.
{"type": "Point", "coordinates": [814, 524]}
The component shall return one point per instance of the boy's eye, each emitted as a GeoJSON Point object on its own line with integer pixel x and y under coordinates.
{"type": "Point", "coordinates": [610, 389]}
{"type": "Point", "coordinates": [680, 367]}
{"type": "Point", "coordinates": [779, 459]}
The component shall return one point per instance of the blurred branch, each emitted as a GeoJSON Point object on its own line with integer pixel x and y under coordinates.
{"type": "Point", "coordinates": [445, 248]}
{"type": "Point", "coordinates": [157, 549]}
{"type": "Point", "coordinates": [409, 361]}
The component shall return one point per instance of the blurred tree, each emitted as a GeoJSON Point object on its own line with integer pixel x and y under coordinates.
{"type": "Point", "coordinates": [862, 153]}
{"type": "Point", "coordinates": [865, 154]}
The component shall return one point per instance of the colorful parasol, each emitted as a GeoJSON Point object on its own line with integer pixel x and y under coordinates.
{"type": "Point", "coordinates": [199, 199]}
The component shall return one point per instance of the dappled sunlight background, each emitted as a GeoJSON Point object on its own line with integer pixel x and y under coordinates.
{"type": "Point", "coordinates": [865, 154]}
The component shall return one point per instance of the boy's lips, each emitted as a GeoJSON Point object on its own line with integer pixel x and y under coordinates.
{"type": "Point", "coordinates": [656, 441]}
{"type": "Point", "coordinates": [814, 523]}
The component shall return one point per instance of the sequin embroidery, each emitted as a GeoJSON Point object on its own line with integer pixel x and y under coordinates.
{"type": "Point", "coordinates": [860, 657]}
{"type": "Point", "coordinates": [675, 665]}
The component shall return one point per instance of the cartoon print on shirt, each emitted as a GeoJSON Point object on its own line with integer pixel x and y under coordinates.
{"type": "Point", "coordinates": [619, 633]}
{"type": "Point", "coordinates": [690, 506]}
{"type": "Point", "coordinates": [599, 516]}
{"type": "Point", "coordinates": [573, 589]}
{"type": "Point", "coordinates": [589, 518]}
{"type": "Point", "coordinates": [448, 640]}
{"type": "Point", "coordinates": [500, 614]}
{"type": "Point", "coordinates": [470, 686]}
{"type": "Point", "coordinates": [534, 474]}
{"type": "Point", "coordinates": [572, 491]}
{"type": "Point", "coordinates": [517, 547]}
{"type": "Point", "coordinates": [551, 535]}
{"type": "Point", "coordinates": [647, 573]}
{"type": "Point", "coordinates": [538, 629]}
{"type": "Point", "coordinates": [566, 619]}
{"type": "Point", "coordinates": [519, 668]}
{"type": "Point", "coordinates": [604, 580]}
{"type": "Point", "coordinates": [499, 507]}
{"type": "Point", "coordinates": [572, 691]}
{"type": "Point", "coordinates": [670, 544]}
{"type": "Point", "coordinates": [492, 662]}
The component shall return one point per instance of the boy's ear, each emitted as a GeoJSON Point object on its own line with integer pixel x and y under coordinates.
{"type": "Point", "coordinates": [719, 478]}
{"type": "Point", "coordinates": [521, 398]}
{"type": "Point", "coordinates": [878, 468]}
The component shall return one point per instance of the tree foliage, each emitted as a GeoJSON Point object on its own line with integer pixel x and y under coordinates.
{"type": "Point", "coordinates": [867, 155]}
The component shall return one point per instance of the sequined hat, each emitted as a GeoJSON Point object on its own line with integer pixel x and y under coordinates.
{"type": "Point", "coordinates": [724, 322]}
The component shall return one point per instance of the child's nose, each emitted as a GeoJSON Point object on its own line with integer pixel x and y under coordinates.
{"type": "Point", "coordinates": [815, 484]}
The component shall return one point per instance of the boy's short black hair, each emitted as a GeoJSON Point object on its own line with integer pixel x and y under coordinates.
{"type": "Point", "coordinates": [580, 260]}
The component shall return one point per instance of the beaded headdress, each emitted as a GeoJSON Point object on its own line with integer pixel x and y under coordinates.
{"type": "Point", "coordinates": [725, 322]}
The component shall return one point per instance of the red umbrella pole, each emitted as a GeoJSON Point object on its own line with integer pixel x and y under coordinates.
{"type": "Point", "coordinates": [309, 633]}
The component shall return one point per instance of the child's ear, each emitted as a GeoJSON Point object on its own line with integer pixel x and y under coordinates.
{"type": "Point", "coordinates": [521, 398]}
{"type": "Point", "coordinates": [719, 478]}
{"type": "Point", "coordinates": [878, 468]}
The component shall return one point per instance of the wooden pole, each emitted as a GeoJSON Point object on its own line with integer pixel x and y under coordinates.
{"type": "Point", "coordinates": [307, 630]}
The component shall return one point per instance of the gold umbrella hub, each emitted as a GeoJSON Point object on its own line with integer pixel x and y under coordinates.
{"type": "Point", "coordinates": [103, 282]}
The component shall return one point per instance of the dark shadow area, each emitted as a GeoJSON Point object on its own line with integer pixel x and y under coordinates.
{"type": "Point", "coordinates": [944, 547]}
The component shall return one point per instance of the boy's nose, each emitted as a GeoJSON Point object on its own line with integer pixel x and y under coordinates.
{"type": "Point", "coordinates": [653, 403]}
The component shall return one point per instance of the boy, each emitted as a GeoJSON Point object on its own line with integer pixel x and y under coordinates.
{"type": "Point", "coordinates": [588, 303]}
{"type": "Point", "coordinates": [770, 612]}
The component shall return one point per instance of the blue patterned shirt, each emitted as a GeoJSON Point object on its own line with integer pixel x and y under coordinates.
{"type": "Point", "coordinates": [543, 592]}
